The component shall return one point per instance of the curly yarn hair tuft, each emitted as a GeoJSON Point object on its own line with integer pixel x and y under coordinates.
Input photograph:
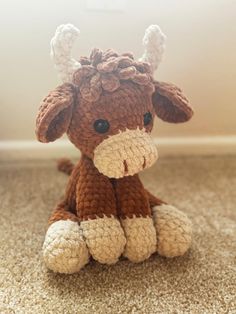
{"type": "Point", "coordinates": [104, 70]}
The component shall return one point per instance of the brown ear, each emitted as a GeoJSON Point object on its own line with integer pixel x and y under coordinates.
{"type": "Point", "coordinates": [55, 113]}
{"type": "Point", "coordinates": [170, 103]}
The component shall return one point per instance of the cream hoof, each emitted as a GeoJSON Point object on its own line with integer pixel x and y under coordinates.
{"type": "Point", "coordinates": [104, 238]}
{"type": "Point", "coordinates": [64, 249]}
{"type": "Point", "coordinates": [174, 230]}
{"type": "Point", "coordinates": [140, 237]}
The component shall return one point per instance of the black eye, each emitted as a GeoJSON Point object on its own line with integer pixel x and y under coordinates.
{"type": "Point", "coordinates": [147, 118]}
{"type": "Point", "coordinates": [101, 126]}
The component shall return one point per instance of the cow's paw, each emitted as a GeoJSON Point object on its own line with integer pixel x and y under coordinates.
{"type": "Point", "coordinates": [64, 248]}
{"type": "Point", "coordinates": [104, 238]}
{"type": "Point", "coordinates": [174, 230]}
{"type": "Point", "coordinates": [140, 238]}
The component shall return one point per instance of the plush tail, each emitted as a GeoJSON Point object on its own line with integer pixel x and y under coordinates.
{"type": "Point", "coordinates": [65, 165]}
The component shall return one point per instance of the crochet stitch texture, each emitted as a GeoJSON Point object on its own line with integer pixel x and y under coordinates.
{"type": "Point", "coordinates": [107, 105]}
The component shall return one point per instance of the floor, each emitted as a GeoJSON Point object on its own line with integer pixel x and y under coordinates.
{"type": "Point", "coordinates": [202, 281]}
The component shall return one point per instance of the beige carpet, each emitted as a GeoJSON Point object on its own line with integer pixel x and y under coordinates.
{"type": "Point", "coordinates": [203, 281]}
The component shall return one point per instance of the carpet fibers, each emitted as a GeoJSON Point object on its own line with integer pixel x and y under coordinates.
{"type": "Point", "coordinates": [202, 281]}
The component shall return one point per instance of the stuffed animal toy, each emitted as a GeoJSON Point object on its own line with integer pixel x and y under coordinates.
{"type": "Point", "coordinates": [107, 106]}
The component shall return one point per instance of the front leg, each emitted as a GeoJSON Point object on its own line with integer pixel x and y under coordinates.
{"type": "Point", "coordinates": [135, 214]}
{"type": "Point", "coordinates": [96, 209]}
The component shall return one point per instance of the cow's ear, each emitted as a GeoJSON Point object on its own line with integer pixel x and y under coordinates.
{"type": "Point", "coordinates": [170, 103]}
{"type": "Point", "coordinates": [55, 113]}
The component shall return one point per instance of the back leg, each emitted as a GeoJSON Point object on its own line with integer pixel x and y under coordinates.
{"type": "Point", "coordinates": [64, 248]}
{"type": "Point", "coordinates": [173, 228]}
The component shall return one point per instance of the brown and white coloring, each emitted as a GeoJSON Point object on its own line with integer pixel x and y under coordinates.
{"type": "Point", "coordinates": [106, 106]}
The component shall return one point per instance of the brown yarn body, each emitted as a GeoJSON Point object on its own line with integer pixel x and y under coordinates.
{"type": "Point", "coordinates": [90, 194]}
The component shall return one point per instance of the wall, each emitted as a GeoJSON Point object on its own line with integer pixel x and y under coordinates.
{"type": "Point", "coordinates": [200, 56]}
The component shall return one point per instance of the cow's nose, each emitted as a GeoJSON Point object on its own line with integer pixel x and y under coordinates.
{"type": "Point", "coordinates": [125, 166]}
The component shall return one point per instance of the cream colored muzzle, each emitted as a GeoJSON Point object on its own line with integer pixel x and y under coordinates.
{"type": "Point", "coordinates": [125, 154]}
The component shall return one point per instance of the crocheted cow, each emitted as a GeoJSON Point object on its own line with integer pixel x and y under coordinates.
{"type": "Point", "coordinates": [106, 106]}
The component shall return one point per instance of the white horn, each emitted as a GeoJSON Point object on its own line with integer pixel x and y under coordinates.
{"type": "Point", "coordinates": [61, 46]}
{"type": "Point", "coordinates": [154, 46]}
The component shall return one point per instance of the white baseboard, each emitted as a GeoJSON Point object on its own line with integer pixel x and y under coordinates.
{"type": "Point", "coordinates": [210, 145]}
{"type": "Point", "coordinates": [202, 145]}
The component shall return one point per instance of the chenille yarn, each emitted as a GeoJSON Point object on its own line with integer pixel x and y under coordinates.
{"type": "Point", "coordinates": [106, 211]}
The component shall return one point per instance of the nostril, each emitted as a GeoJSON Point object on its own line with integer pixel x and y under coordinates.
{"type": "Point", "coordinates": [144, 162]}
{"type": "Point", "coordinates": [125, 166]}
